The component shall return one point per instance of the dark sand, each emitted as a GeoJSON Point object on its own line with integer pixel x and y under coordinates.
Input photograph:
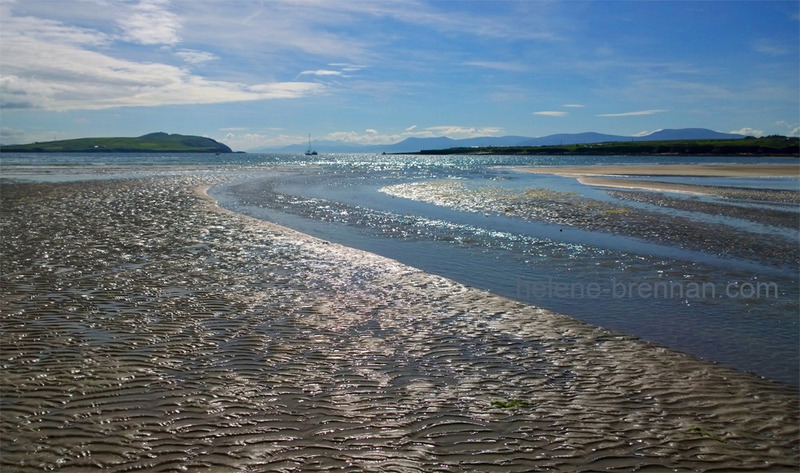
{"type": "Point", "coordinates": [564, 208]}
{"type": "Point", "coordinates": [143, 329]}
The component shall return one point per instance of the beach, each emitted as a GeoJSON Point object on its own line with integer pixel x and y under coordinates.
{"type": "Point", "coordinates": [144, 328]}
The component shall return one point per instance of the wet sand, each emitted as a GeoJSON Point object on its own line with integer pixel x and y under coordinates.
{"type": "Point", "coordinates": [142, 328]}
{"type": "Point", "coordinates": [647, 185]}
{"type": "Point", "coordinates": [597, 176]}
{"type": "Point", "coordinates": [566, 208]}
{"type": "Point", "coordinates": [707, 170]}
{"type": "Point", "coordinates": [765, 195]}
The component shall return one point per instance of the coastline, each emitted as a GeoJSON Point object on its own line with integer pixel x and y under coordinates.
{"type": "Point", "coordinates": [166, 329]}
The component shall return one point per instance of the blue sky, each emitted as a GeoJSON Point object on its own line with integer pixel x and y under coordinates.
{"type": "Point", "coordinates": [267, 73]}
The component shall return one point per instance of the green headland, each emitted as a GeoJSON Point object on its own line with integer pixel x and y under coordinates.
{"type": "Point", "coordinates": [150, 143]}
{"type": "Point", "coordinates": [750, 146]}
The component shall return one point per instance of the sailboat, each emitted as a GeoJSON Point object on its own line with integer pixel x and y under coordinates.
{"type": "Point", "coordinates": [309, 151]}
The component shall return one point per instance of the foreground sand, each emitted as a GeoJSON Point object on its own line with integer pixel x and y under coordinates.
{"type": "Point", "coordinates": [142, 328]}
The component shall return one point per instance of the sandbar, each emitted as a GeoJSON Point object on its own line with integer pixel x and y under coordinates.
{"type": "Point", "coordinates": [612, 176]}
{"type": "Point", "coordinates": [704, 170]}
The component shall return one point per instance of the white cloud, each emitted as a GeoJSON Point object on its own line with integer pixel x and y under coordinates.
{"type": "Point", "coordinates": [342, 71]}
{"type": "Point", "coordinates": [49, 31]}
{"type": "Point", "coordinates": [322, 72]}
{"type": "Point", "coordinates": [574, 105]}
{"type": "Point", "coordinates": [793, 129]}
{"type": "Point", "coordinates": [747, 131]}
{"type": "Point", "coordinates": [196, 57]}
{"type": "Point", "coordinates": [632, 114]}
{"type": "Point", "coordinates": [373, 137]}
{"type": "Point", "coordinates": [63, 78]}
{"type": "Point", "coordinates": [150, 23]}
{"type": "Point", "coordinates": [457, 132]}
{"type": "Point", "coordinates": [47, 65]}
{"type": "Point", "coordinates": [551, 113]}
{"type": "Point", "coordinates": [346, 67]}
{"type": "Point", "coordinates": [246, 141]}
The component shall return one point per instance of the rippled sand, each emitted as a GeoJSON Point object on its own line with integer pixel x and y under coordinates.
{"type": "Point", "coordinates": [567, 208]}
{"type": "Point", "coordinates": [144, 329]}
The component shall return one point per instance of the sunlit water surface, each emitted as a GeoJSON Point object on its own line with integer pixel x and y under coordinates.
{"type": "Point", "coordinates": [606, 279]}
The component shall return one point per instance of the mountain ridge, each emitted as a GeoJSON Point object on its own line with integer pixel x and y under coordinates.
{"type": "Point", "coordinates": [414, 144]}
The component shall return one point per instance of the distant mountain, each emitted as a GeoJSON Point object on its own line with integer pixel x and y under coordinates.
{"type": "Point", "coordinates": [150, 143]}
{"type": "Point", "coordinates": [572, 139]}
{"type": "Point", "coordinates": [689, 134]}
{"type": "Point", "coordinates": [410, 145]}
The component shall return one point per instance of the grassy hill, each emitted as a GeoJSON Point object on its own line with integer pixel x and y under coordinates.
{"type": "Point", "coordinates": [151, 143]}
{"type": "Point", "coordinates": [766, 146]}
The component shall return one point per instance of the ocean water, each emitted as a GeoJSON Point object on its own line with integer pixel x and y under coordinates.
{"type": "Point", "coordinates": [715, 304]}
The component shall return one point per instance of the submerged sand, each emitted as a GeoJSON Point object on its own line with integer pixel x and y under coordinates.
{"type": "Point", "coordinates": [142, 328]}
{"type": "Point", "coordinates": [570, 209]}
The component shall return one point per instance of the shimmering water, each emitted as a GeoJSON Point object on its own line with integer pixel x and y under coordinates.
{"type": "Point", "coordinates": [344, 198]}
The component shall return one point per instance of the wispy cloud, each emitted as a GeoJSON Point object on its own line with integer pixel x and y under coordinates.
{"type": "Point", "coordinates": [793, 128]}
{"type": "Point", "coordinates": [345, 67]}
{"type": "Point", "coordinates": [574, 105]}
{"type": "Point", "coordinates": [632, 114]}
{"type": "Point", "coordinates": [747, 131]}
{"type": "Point", "coordinates": [551, 113]}
{"type": "Point", "coordinates": [507, 66]}
{"type": "Point", "coordinates": [321, 72]}
{"type": "Point", "coordinates": [770, 47]}
{"type": "Point", "coordinates": [372, 136]}
{"type": "Point", "coordinates": [341, 70]}
{"type": "Point", "coordinates": [52, 66]}
{"type": "Point", "coordinates": [61, 77]}
{"type": "Point", "coordinates": [196, 57]}
{"type": "Point", "coordinates": [460, 131]}
{"type": "Point", "coordinates": [150, 22]}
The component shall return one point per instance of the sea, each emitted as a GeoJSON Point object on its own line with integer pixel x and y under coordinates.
{"type": "Point", "coordinates": [742, 312]}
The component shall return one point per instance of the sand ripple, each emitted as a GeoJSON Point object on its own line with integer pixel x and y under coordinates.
{"type": "Point", "coordinates": [565, 208]}
{"type": "Point", "coordinates": [143, 330]}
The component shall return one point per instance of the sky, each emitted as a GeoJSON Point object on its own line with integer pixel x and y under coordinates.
{"type": "Point", "coordinates": [267, 73]}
